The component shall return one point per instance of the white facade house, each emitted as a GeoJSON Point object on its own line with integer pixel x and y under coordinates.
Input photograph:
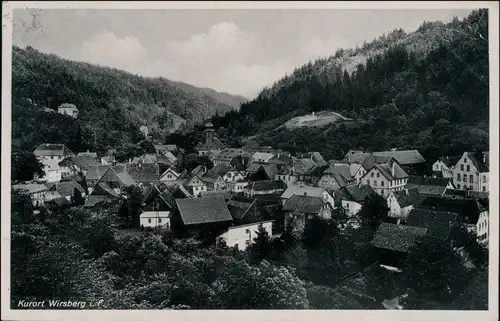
{"type": "Point", "coordinates": [68, 109]}
{"type": "Point", "coordinates": [471, 173]}
{"type": "Point", "coordinates": [385, 178]}
{"type": "Point", "coordinates": [444, 167]}
{"type": "Point", "coordinates": [352, 198]}
{"type": "Point", "coordinates": [155, 219]}
{"type": "Point", "coordinates": [242, 236]}
{"type": "Point", "coordinates": [482, 227]}
{"type": "Point", "coordinates": [401, 203]}
{"type": "Point", "coordinates": [260, 157]}
{"type": "Point", "coordinates": [169, 175]}
{"type": "Point", "coordinates": [50, 155]}
{"type": "Point", "coordinates": [239, 186]}
{"type": "Point", "coordinates": [196, 186]}
{"type": "Point", "coordinates": [351, 207]}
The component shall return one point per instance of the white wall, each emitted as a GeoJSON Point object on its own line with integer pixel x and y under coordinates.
{"type": "Point", "coordinates": [351, 208]}
{"type": "Point", "coordinates": [482, 227]}
{"type": "Point", "coordinates": [239, 236]}
{"type": "Point", "coordinates": [154, 222]}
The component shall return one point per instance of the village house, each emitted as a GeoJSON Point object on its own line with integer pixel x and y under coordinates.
{"type": "Point", "coordinates": [35, 191]}
{"type": "Point", "coordinates": [471, 172]}
{"type": "Point", "coordinates": [114, 179]}
{"type": "Point", "coordinates": [202, 217]}
{"type": "Point", "coordinates": [352, 198]}
{"type": "Point", "coordinates": [394, 242]}
{"type": "Point", "coordinates": [145, 159]}
{"type": "Point", "coordinates": [155, 219]}
{"type": "Point", "coordinates": [262, 172]}
{"type": "Point", "coordinates": [443, 167]}
{"type": "Point", "coordinates": [108, 160]}
{"type": "Point", "coordinates": [300, 208]}
{"type": "Point", "coordinates": [301, 172]}
{"type": "Point", "coordinates": [401, 203]}
{"type": "Point", "coordinates": [336, 177]}
{"type": "Point", "coordinates": [66, 189]}
{"type": "Point", "coordinates": [315, 157]}
{"type": "Point", "coordinates": [222, 177]}
{"type": "Point", "coordinates": [212, 144]}
{"type": "Point", "coordinates": [50, 155]}
{"type": "Point", "coordinates": [444, 226]}
{"type": "Point", "coordinates": [166, 160]}
{"type": "Point", "coordinates": [483, 228]}
{"type": "Point", "coordinates": [162, 149]}
{"type": "Point", "coordinates": [243, 235]}
{"type": "Point", "coordinates": [307, 191]}
{"type": "Point", "coordinates": [385, 178]}
{"type": "Point", "coordinates": [246, 210]}
{"type": "Point", "coordinates": [68, 109]}
{"type": "Point", "coordinates": [410, 160]}
{"type": "Point", "coordinates": [226, 156]}
{"type": "Point", "coordinates": [143, 173]}
{"type": "Point", "coordinates": [94, 174]}
{"type": "Point", "coordinates": [73, 165]}
{"type": "Point", "coordinates": [169, 175]}
{"type": "Point", "coordinates": [194, 182]}
{"type": "Point", "coordinates": [431, 186]}
{"type": "Point", "coordinates": [268, 187]}
{"type": "Point", "coordinates": [469, 210]}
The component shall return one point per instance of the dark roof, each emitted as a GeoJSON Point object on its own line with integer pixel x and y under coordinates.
{"type": "Point", "coordinates": [395, 237]}
{"type": "Point", "coordinates": [88, 153]}
{"type": "Point", "coordinates": [168, 158]}
{"type": "Point", "coordinates": [404, 157]}
{"type": "Point", "coordinates": [237, 162]}
{"type": "Point", "coordinates": [227, 154]}
{"type": "Point", "coordinates": [303, 204]}
{"type": "Point", "coordinates": [164, 195]}
{"type": "Point", "coordinates": [238, 208]}
{"type": "Point", "coordinates": [67, 188]}
{"type": "Point", "coordinates": [438, 224]}
{"type": "Point", "coordinates": [315, 157]}
{"type": "Point", "coordinates": [94, 200]}
{"type": "Point", "coordinates": [96, 172]}
{"type": "Point", "coordinates": [303, 166]}
{"type": "Point", "coordinates": [372, 160]}
{"type": "Point", "coordinates": [143, 173]}
{"type": "Point", "coordinates": [341, 173]}
{"type": "Point", "coordinates": [53, 150]}
{"type": "Point", "coordinates": [103, 188]}
{"type": "Point", "coordinates": [82, 161]}
{"type": "Point", "coordinates": [270, 169]}
{"type": "Point", "coordinates": [203, 210]}
{"type": "Point", "coordinates": [358, 193]}
{"type": "Point", "coordinates": [119, 175]}
{"type": "Point", "coordinates": [479, 195]}
{"type": "Point", "coordinates": [216, 172]}
{"type": "Point", "coordinates": [467, 209]}
{"type": "Point", "coordinates": [478, 163]}
{"type": "Point", "coordinates": [267, 185]}
{"type": "Point", "coordinates": [408, 197]}
{"type": "Point", "coordinates": [211, 144]}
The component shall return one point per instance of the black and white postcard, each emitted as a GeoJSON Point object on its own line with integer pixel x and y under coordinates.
{"type": "Point", "coordinates": [250, 160]}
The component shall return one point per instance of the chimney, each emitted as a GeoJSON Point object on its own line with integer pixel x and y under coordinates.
{"type": "Point", "coordinates": [392, 168]}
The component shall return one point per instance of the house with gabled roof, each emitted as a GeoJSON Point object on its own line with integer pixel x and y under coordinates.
{"type": "Point", "coordinates": [262, 172]}
{"type": "Point", "coordinates": [94, 174]}
{"type": "Point", "coordinates": [444, 226]}
{"type": "Point", "coordinates": [386, 178]}
{"type": "Point", "coordinates": [194, 182]}
{"type": "Point", "coordinates": [212, 144]}
{"type": "Point", "coordinates": [432, 186]}
{"type": "Point", "coordinates": [222, 177]}
{"type": "Point", "coordinates": [352, 198]}
{"type": "Point", "coordinates": [169, 175]}
{"type": "Point", "coordinates": [410, 160]}
{"type": "Point", "coordinates": [246, 210]}
{"type": "Point", "coordinates": [301, 208]}
{"type": "Point", "coordinates": [242, 236]}
{"type": "Point", "coordinates": [202, 217]}
{"type": "Point", "coordinates": [471, 172]}
{"type": "Point", "coordinates": [226, 156]}
{"type": "Point", "coordinates": [50, 155]}
{"type": "Point", "coordinates": [108, 160]}
{"type": "Point", "coordinates": [145, 159]}
{"type": "Point", "coordinates": [267, 187]}
{"type": "Point", "coordinates": [315, 157]}
{"type": "Point", "coordinates": [400, 203]}
{"type": "Point", "coordinates": [66, 189]}
{"type": "Point", "coordinates": [317, 192]}
{"type": "Point", "coordinates": [261, 157]}
{"type": "Point", "coordinates": [443, 167]}
{"type": "Point", "coordinates": [34, 190]}
{"type": "Point", "coordinates": [68, 109]}
{"type": "Point", "coordinates": [114, 179]}
{"type": "Point", "coordinates": [166, 160]}
{"type": "Point", "coordinates": [143, 173]}
{"type": "Point", "coordinates": [395, 242]}
{"type": "Point", "coordinates": [336, 177]}
{"type": "Point", "coordinates": [75, 164]}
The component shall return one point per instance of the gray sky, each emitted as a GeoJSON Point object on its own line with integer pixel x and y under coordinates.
{"type": "Point", "coordinates": [234, 51]}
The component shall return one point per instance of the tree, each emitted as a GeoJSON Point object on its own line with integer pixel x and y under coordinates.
{"type": "Point", "coordinates": [97, 236]}
{"type": "Point", "coordinates": [261, 248]}
{"type": "Point", "coordinates": [25, 166]}
{"type": "Point", "coordinates": [78, 199]}
{"type": "Point", "coordinates": [191, 161]}
{"type": "Point", "coordinates": [21, 208]}
{"type": "Point", "coordinates": [319, 232]}
{"type": "Point", "coordinates": [289, 237]}
{"type": "Point", "coordinates": [434, 271]}
{"type": "Point", "coordinates": [374, 210]}
{"type": "Point", "coordinates": [130, 206]}
{"type": "Point", "coordinates": [477, 252]}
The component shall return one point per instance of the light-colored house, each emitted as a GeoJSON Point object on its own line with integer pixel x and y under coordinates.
{"type": "Point", "coordinates": [443, 167]}
{"type": "Point", "coordinates": [401, 203]}
{"type": "Point", "coordinates": [238, 186]}
{"type": "Point", "coordinates": [307, 191]}
{"type": "Point", "coordinates": [71, 166]}
{"type": "Point", "coordinates": [68, 109]}
{"type": "Point", "coordinates": [259, 157]}
{"type": "Point", "coordinates": [472, 173]}
{"type": "Point", "coordinates": [50, 155]}
{"type": "Point", "coordinates": [244, 235]}
{"type": "Point", "coordinates": [169, 175]}
{"type": "Point", "coordinates": [194, 184]}
{"type": "Point", "coordinates": [268, 187]}
{"type": "Point", "coordinates": [35, 191]}
{"type": "Point", "coordinates": [385, 178]}
{"type": "Point", "coordinates": [155, 219]}
{"type": "Point", "coordinates": [483, 227]}
{"type": "Point", "coordinates": [212, 144]}
{"type": "Point", "coordinates": [352, 198]}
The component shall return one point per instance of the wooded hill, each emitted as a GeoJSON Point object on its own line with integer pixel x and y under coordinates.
{"type": "Point", "coordinates": [113, 104]}
{"type": "Point", "coordinates": [427, 90]}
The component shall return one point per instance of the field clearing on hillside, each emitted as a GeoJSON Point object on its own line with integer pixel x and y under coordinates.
{"type": "Point", "coordinates": [320, 119]}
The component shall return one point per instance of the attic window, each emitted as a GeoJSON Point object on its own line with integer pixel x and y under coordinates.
{"type": "Point", "coordinates": [305, 193]}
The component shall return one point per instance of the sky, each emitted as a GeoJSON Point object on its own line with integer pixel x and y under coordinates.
{"type": "Point", "coordinates": [233, 51]}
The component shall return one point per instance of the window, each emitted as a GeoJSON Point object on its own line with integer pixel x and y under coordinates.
{"type": "Point", "coordinates": [465, 160]}
{"type": "Point", "coordinates": [169, 176]}
{"type": "Point", "coordinates": [229, 175]}
{"type": "Point", "coordinates": [464, 187]}
{"type": "Point", "coordinates": [149, 220]}
{"type": "Point", "coordinates": [390, 183]}
{"type": "Point", "coordinates": [247, 242]}
{"type": "Point", "coordinates": [347, 205]}
{"type": "Point", "coordinates": [458, 177]}
{"type": "Point", "coordinates": [484, 188]}
{"type": "Point", "coordinates": [382, 192]}
{"type": "Point", "coordinates": [159, 220]}
{"type": "Point", "coordinates": [462, 167]}
{"type": "Point", "coordinates": [382, 183]}
{"type": "Point", "coordinates": [374, 183]}
{"type": "Point", "coordinates": [458, 186]}
{"type": "Point", "coordinates": [471, 178]}
{"type": "Point", "coordinates": [465, 178]}
{"type": "Point", "coordinates": [368, 182]}
{"type": "Point", "coordinates": [247, 231]}
{"type": "Point", "coordinates": [378, 174]}
{"type": "Point", "coordinates": [484, 178]}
